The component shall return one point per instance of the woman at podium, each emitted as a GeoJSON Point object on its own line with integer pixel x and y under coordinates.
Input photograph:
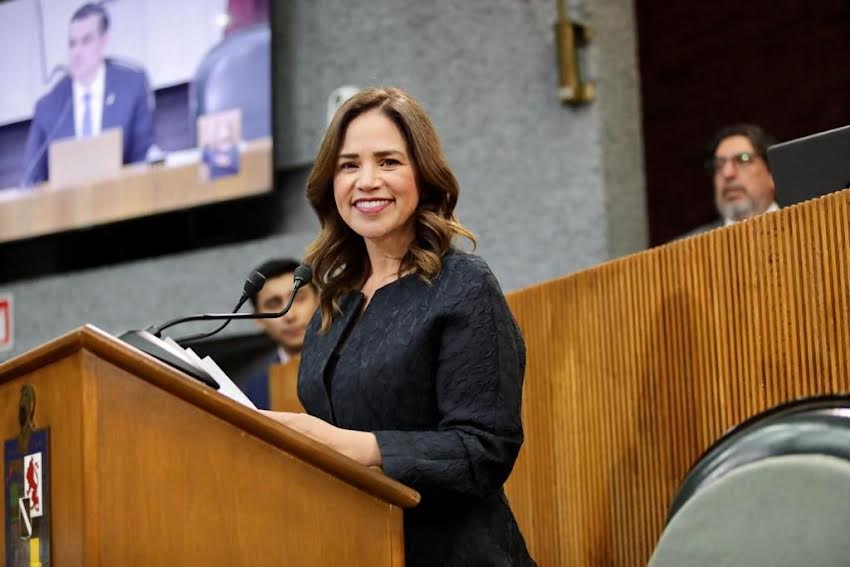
{"type": "Point", "coordinates": [413, 362]}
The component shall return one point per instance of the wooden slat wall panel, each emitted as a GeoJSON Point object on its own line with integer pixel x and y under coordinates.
{"type": "Point", "coordinates": [636, 366]}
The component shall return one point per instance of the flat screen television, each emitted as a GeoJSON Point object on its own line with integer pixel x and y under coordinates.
{"type": "Point", "coordinates": [131, 128]}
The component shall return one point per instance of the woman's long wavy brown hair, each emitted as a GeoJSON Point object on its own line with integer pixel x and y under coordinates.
{"type": "Point", "coordinates": [338, 254]}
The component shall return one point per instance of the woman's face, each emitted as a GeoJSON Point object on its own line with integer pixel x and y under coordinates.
{"type": "Point", "coordinates": [375, 182]}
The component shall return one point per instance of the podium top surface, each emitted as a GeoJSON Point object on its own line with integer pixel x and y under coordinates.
{"type": "Point", "coordinates": [105, 346]}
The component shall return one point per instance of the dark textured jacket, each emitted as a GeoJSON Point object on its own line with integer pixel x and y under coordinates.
{"type": "Point", "coordinates": [435, 371]}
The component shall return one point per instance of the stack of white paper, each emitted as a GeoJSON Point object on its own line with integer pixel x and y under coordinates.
{"type": "Point", "coordinates": [225, 384]}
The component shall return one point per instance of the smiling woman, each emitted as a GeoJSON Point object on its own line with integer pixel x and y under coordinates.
{"type": "Point", "coordinates": [375, 184]}
{"type": "Point", "coordinates": [414, 362]}
{"type": "Point", "coordinates": [395, 136]}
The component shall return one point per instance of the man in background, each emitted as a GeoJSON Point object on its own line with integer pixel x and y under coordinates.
{"type": "Point", "coordinates": [98, 93]}
{"type": "Point", "coordinates": [743, 184]}
{"type": "Point", "coordinates": [287, 331]}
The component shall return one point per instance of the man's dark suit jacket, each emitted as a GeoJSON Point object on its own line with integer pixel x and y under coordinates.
{"type": "Point", "coordinates": [127, 102]}
{"type": "Point", "coordinates": [256, 384]}
{"type": "Point", "coordinates": [435, 371]}
{"type": "Point", "coordinates": [704, 228]}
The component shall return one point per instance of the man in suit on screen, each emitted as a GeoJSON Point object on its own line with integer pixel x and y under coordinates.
{"type": "Point", "coordinates": [98, 93]}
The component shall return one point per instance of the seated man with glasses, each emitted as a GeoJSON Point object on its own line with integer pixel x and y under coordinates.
{"type": "Point", "coordinates": [743, 184]}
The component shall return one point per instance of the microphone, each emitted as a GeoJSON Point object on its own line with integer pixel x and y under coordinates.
{"type": "Point", "coordinates": [302, 276]}
{"type": "Point", "coordinates": [150, 342]}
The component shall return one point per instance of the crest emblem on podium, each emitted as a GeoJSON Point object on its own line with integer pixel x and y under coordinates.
{"type": "Point", "coordinates": [27, 490]}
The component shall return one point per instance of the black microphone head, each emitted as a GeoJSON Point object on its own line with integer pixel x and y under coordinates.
{"type": "Point", "coordinates": [303, 273]}
{"type": "Point", "coordinates": [254, 284]}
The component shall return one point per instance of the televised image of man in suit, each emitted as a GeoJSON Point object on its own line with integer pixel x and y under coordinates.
{"type": "Point", "coordinates": [98, 93]}
{"type": "Point", "coordinates": [743, 184]}
{"type": "Point", "coordinates": [288, 331]}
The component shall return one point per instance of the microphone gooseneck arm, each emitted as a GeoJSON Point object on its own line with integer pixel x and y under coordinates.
{"type": "Point", "coordinates": [303, 275]}
{"type": "Point", "coordinates": [157, 331]}
{"type": "Point", "coordinates": [199, 336]}
{"type": "Point", "coordinates": [252, 286]}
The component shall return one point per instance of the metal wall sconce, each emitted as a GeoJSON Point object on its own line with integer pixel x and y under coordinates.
{"type": "Point", "coordinates": [569, 37]}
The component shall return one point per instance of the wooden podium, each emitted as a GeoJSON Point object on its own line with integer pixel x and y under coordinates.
{"type": "Point", "coordinates": [150, 467]}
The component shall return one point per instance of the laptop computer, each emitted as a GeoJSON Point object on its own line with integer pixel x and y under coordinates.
{"type": "Point", "coordinates": [78, 161]}
{"type": "Point", "coordinates": [811, 166]}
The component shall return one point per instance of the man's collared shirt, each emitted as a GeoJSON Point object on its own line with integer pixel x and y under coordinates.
{"type": "Point", "coordinates": [283, 356]}
{"type": "Point", "coordinates": [771, 209]}
{"type": "Point", "coordinates": [96, 90]}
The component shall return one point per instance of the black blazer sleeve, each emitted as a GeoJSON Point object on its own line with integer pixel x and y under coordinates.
{"type": "Point", "coordinates": [478, 386]}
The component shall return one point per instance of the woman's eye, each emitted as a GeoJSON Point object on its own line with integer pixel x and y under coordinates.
{"type": "Point", "coordinates": [347, 165]}
{"type": "Point", "coordinates": [390, 162]}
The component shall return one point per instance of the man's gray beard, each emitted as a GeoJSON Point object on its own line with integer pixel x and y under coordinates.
{"type": "Point", "coordinates": [737, 211]}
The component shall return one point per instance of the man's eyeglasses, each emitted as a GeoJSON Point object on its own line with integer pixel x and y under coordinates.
{"type": "Point", "coordinates": [743, 159]}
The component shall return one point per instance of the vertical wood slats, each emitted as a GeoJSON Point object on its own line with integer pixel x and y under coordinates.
{"type": "Point", "coordinates": [636, 366]}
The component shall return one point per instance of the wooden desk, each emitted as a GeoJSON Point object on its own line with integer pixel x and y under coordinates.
{"type": "Point", "coordinates": [638, 365]}
{"type": "Point", "coordinates": [283, 387]}
{"type": "Point", "coordinates": [140, 190]}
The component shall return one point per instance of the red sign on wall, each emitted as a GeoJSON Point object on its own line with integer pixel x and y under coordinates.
{"type": "Point", "coordinates": [5, 321]}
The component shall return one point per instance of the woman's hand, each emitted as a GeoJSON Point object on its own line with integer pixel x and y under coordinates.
{"type": "Point", "coordinates": [361, 446]}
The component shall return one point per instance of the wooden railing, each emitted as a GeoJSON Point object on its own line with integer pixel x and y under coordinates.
{"type": "Point", "coordinates": [636, 366]}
